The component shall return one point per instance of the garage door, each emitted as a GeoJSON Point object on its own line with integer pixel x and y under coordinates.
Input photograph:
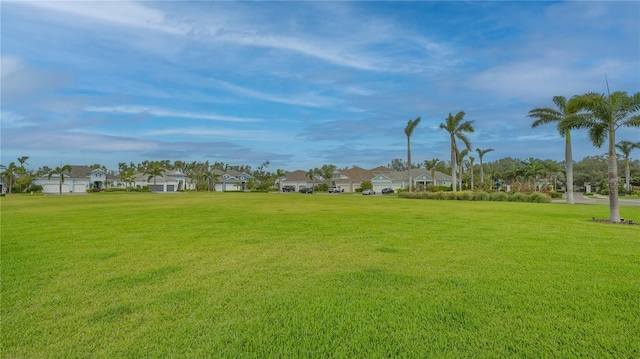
{"type": "Point", "coordinates": [171, 188]}
{"type": "Point", "coordinates": [79, 188]}
{"type": "Point", "coordinates": [55, 188]}
{"type": "Point", "coordinates": [156, 188]}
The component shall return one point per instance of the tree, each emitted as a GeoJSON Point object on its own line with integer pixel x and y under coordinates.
{"type": "Point", "coordinates": [471, 160]}
{"type": "Point", "coordinates": [23, 160]}
{"type": "Point", "coordinates": [626, 147]}
{"type": "Point", "coordinates": [461, 155]}
{"type": "Point", "coordinates": [60, 172]}
{"type": "Point", "coordinates": [431, 166]}
{"type": "Point", "coordinates": [481, 154]}
{"type": "Point", "coordinates": [411, 125]}
{"type": "Point", "coordinates": [602, 116]}
{"type": "Point", "coordinates": [153, 172]}
{"type": "Point", "coordinates": [397, 164]}
{"type": "Point", "coordinates": [326, 172]}
{"type": "Point", "coordinates": [312, 176]}
{"type": "Point", "coordinates": [456, 128]}
{"type": "Point", "coordinates": [279, 175]}
{"type": "Point", "coordinates": [559, 115]}
{"type": "Point", "coordinates": [9, 175]}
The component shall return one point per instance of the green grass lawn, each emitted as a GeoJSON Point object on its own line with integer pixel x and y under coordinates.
{"type": "Point", "coordinates": [244, 275]}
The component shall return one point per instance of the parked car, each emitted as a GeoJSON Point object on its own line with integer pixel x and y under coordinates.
{"type": "Point", "coordinates": [368, 192]}
{"type": "Point", "coordinates": [289, 189]}
{"type": "Point", "coordinates": [387, 190]}
{"type": "Point", "coordinates": [306, 190]}
{"type": "Point", "coordinates": [335, 189]}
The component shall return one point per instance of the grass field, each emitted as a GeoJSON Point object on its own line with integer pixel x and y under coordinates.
{"type": "Point", "coordinates": [244, 275]}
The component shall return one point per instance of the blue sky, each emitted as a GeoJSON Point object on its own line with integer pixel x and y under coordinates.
{"type": "Point", "coordinates": [300, 84]}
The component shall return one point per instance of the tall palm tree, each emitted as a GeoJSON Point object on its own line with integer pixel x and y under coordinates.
{"type": "Point", "coordinates": [312, 176]}
{"type": "Point", "coordinates": [461, 155]}
{"type": "Point", "coordinates": [534, 168]}
{"type": "Point", "coordinates": [481, 154]}
{"type": "Point", "coordinates": [279, 175]}
{"type": "Point", "coordinates": [471, 160]}
{"type": "Point", "coordinates": [456, 128]}
{"type": "Point", "coordinates": [23, 160]}
{"type": "Point", "coordinates": [60, 172]}
{"type": "Point", "coordinates": [626, 147]}
{"type": "Point", "coordinates": [602, 116]}
{"type": "Point", "coordinates": [153, 172]}
{"type": "Point", "coordinates": [9, 175]}
{"type": "Point", "coordinates": [411, 125]}
{"type": "Point", "coordinates": [326, 172]}
{"type": "Point", "coordinates": [558, 115]}
{"type": "Point", "coordinates": [431, 165]}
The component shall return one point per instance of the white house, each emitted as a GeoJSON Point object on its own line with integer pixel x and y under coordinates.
{"type": "Point", "coordinates": [400, 180]}
{"type": "Point", "coordinates": [169, 181]}
{"type": "Point", "coordinates": [231, 180]}
{"type": "Point", "coordinates": [78, 180]}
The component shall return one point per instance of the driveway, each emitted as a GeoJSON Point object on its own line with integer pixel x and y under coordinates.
{"type": "Point", "coordinates": [579, 197]}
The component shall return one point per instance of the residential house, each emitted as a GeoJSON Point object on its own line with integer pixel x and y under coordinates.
{"type": "Point", "coordinates": [351, 179]}
{"type": "Point", "coordinates": [78, 180]}
{"type": "Point", "coordinates": [231, 180]}
{"type": "Point", "coordinates": [298, 179]}
{"type": "Point", "coordinates": [169, 181]}
{"type": "Point", "coordinates": [400, 179]}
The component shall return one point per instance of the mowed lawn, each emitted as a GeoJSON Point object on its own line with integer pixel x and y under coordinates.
{"type": "Point", "coordinates": [247, 275]}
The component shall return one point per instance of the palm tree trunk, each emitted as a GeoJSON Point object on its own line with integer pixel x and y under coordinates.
{"type": "Point", "coordinates": [409, 160]}
{"type": "Point", "coordinates": [568, 159]}
{"type": "Point", "coordinates": [481, 171]}
{"type": "Point", "coordinates": [614, 210]}
{"type": "Point", "coordinates": [454, 169]}
{"type": "Point", "coordinates": [627, 182]}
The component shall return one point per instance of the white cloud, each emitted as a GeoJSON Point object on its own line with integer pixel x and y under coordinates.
{"type": "Point", "coordinates": [123, 13]}
{"type": "Point", "coordinates": [168, 113]}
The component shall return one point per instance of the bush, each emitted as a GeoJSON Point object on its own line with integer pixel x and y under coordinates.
{"type": "Point", "coordinates": [519, 197]}
{"type": "Point", "coordinates": [437, 188]}
{"type": "Point", "coordinates": [322, 187]}
{"type": "Point", "coordinates": [554, 194]}
{"type": "Point", "coordinates": [464, 196]}
{"type": "Point", "coordinates": [366, 185]}
{"type": "Point", "coordinates": [34, 188]}
{"type": "Point", "coordinates": [540, 198]}
{"type": "Point", "coordinates": [440, 195]}
{"type": "Point", "coordinates": [481, 196]}
{"type": "Point", "coordinates": [499, 197]}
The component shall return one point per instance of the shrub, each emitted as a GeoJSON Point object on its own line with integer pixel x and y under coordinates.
{"type": "Point", "coordinates": [366, 185]}
{"type": "Point", "coordinates": [450, 196]}
{"type": "Point", "coordinates": [440, 195]}
{"type": "Point", "coordinates": [519, 197]}
{"type": "Point", "coordinates": [35, 188]}
{"type": "Point", "coordinates": [437, 188]}
{"type": "Point", "coordinates": [499, 197]}
{"type": "Point", "coordinates": [322, 187]}
{"type": "Point", "coordinates": [464, 196]}
{"type": "Point", "coordinates": [540, 198]}
{"type": "Point", "coordinates": [481, 196]}
{"type": "Point", "coordinates": [554, 194]}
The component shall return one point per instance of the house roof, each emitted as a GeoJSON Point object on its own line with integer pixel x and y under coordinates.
{"type": "Point", "coordinates": [357, 174]}
{"type": "Point", "coordinates": [381, 169]}
{"type": "Point", "coordinates": [298, 175]}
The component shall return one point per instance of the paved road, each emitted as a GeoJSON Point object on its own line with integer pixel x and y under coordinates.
{"type": "Point", "coordinates": [578, 197]}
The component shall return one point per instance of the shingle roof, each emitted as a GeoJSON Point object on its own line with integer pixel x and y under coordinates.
{"type": "Point", "coordinates": [357, 174]}
{"type": "Point", "coordinates": [298, 175]}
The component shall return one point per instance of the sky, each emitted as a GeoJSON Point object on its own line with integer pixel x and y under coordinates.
{"type": "Point", "coordinates": [301, 84]}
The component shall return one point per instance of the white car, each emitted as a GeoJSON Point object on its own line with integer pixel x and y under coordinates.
{"type": "Point", "coordinates": [368, 192]}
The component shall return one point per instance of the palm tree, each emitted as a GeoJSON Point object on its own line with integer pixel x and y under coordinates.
{"type": "Point", "coordinates": [461, 155]}
{"type": "Point", "coordinates": [23, 160]}
{"type": "Point", "coordinates": [411, 125]}
{"type": "Point", "coordinates": [280, 174]}
{"type": "Point", "coordinates": [154, 172]}
{"type": "Point", "coordinates": [602, 116]}
{"type": "Point", "coordinates": [312, 175]}
{"type": "Point", "coordinates": [558, 115]}
{"type": "Point", "coordinates": [481, 154]}
{"type": "Point", "coordinates": [471, 160]}
{"type": "Point", "coordinates": [534, 168]}
{"type": "Point", "coordinates": [60, 172]}
{"type": "Point", "coordinates": [326, 172]}
{"type": "Point", "coordinates": [456, 128]}
{"type": "Point", "coordinates": [626, 147]}
{"type": "Point", "coordinates": [9, 175]}
{"type": "Point", "coordinates": [431, 165]}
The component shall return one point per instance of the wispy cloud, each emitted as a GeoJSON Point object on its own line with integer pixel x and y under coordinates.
{"type": "Point", "coordinates": [168, 113]}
